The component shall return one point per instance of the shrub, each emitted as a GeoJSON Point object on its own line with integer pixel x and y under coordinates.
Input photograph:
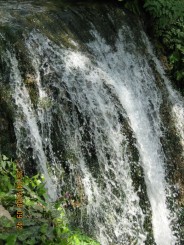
{"type": "Point", "coordinates": [43, 222]}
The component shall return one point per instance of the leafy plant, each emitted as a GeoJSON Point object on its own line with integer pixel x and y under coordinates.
{"type": "Point", "coordinates": [165, 12]}
{"type": "Point", "coordinates": [43, 222]}
{"type": "Point", "coordinates": [168, 26]}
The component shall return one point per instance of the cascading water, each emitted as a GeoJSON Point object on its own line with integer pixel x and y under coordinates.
{"type": "Point", "coordinates": [95, 128]}
{"type": "Point", "coordinates": [26, 120]}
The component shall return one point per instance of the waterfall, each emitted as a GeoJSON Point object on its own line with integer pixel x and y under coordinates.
{"type": "Point", "coordinates": [26, 121]}
{"type": "Point", "coordinates": [88, 111]}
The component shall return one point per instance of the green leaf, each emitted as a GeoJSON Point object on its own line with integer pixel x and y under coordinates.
{"type": "Point", "coordinates": [11, 240]}
{"type": "Point", "coordinates": [44, 228]}
{"type": "Point", "coordinates": [26, 233]}
{"type": "Point", "coordinates": [4, 158]}
{"type": "Point", "coordinates": [5, 222]}
{"type": "Point", "coordinates": [3, 164]}
{"type": "Point", "coordinates": [3, 236]}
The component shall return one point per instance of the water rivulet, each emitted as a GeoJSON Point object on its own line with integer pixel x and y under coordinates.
{"type": "Point", "coordinates": [85, 101]}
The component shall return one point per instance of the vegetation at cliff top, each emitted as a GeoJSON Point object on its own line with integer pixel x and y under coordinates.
{"type": "Point", "coordinates": [165, 21]}
{"type": "Point", "coordinates": [43, 222]}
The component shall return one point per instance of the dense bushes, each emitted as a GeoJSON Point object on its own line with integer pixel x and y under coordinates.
{"type": "Point", "coordinates": [168, 25]}
{"type": "Point", "coordinates": [165, 12]}
{"type": "Point", "coordinates": [43, 222]}
{"type": "Point", "coordinates": [165, 21]}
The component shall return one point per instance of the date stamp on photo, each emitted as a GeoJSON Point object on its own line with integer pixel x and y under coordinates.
{"type": "Point", "coordinates": [19, 199]}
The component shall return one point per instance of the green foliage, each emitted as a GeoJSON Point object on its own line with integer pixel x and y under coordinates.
{"type": "Point", "coordinates": [174, 39]}
{"type": "Point", "coordinates": [168, 25]}
{"type": "Point", "coordinates": [43, 222]}
{"type": "Point", "coordinates": [166, 19]}
{"type": "Point", "coordinates": [165, 12]}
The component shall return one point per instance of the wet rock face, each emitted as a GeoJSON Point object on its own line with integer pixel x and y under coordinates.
{"type": "Point", "coordinates": [7, 134]}
{"type": "Point", "coordinates": [7, 138]}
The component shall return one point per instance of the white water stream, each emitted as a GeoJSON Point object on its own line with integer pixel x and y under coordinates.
{"type": "Point", "coordinates": [26, 119]}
